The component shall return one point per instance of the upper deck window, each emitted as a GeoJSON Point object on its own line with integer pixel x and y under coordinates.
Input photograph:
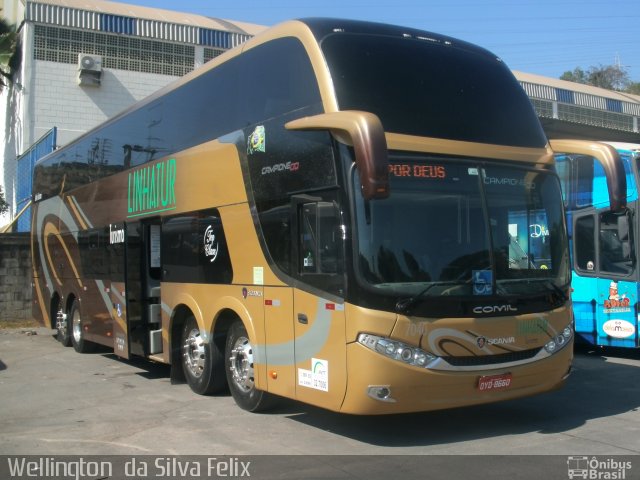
{"type": "Point", "coordinates": [424, 87]}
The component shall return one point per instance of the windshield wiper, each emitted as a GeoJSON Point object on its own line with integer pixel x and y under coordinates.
{"type": "Point", "coordinates": [503, 287]}
{"type": "Point", "coordinates": [404, 305]}
{"type": "Point", "coordinates": [561, 293]}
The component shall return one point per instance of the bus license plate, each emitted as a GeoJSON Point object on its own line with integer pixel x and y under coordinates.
{"type": "Point", "coordinates": [494, 382]}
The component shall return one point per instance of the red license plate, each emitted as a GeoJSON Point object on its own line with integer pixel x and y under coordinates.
{"type": "Point", "coordinates": [494, 382]}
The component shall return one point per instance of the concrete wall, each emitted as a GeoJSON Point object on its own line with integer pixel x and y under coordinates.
{"type": "Point", "coordinates": [15, 277]}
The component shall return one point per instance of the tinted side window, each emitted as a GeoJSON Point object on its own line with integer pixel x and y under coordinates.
{"type": "Point", "coordinates": [292, 163]}
{"type": "Point", "coordinates": [584, 243]}
{"type": "Point", "coordinates": [194, 249]}
{"type": "Point", "coordinates": [265, 82]}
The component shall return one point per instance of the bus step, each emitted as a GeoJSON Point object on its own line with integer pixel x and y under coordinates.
{"type": "Point", "coordinates": [155, 341]}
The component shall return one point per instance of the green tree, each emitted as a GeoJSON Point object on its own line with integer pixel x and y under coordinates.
{"type": "Point", "coordinates": [577, 76]}
{"type": "Point", "coordinates": [611, 77]}
{"type": "Point", "coordinates": [634, 87]}
{"type": "Point", "coordinates": [8, 51]}
{"type": "Point", "coordinates": [4, 206]}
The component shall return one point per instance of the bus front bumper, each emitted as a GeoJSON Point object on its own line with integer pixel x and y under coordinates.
{"type": "Point", "coordinates": [379, 385]}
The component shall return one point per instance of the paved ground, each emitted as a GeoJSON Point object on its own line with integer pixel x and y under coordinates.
{"type": "Point", "coordinates": [54, 401]}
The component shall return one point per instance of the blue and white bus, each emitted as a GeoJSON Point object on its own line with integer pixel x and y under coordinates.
{"type": "Point", "coordinates": [601, 200]}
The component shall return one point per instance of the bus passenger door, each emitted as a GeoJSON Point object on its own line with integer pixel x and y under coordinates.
{"type": "Point", "coordinates": [319, 316]}
{"type": "Point", "coordinates": [142, 275]}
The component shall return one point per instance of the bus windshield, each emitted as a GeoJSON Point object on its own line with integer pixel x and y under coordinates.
{"type": "Point", "coordinates": [431, 87]}
{"type": "Point", "coordinates": [463, 228]}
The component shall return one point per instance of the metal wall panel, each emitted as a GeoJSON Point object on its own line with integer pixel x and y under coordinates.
{"type": "Point", "coordinates": [536, 90]}
{"type": "Point", "coordinates": [24, 177]}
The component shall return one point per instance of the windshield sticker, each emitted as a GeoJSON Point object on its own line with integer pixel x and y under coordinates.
{"type": "Point", "coordinates": [417, 171]}
{"type": "Point", "coordinates": [257, 141]}
{"type": "Point", "coordinates": [482, 282]}
{"type": "Point", "coordinates": [511, 182]}
{"type": "Point", "coordinates": [537, 231]}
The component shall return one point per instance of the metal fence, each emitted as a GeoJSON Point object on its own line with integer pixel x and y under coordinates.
{"type": "Point", "coordinates": [46, 144]}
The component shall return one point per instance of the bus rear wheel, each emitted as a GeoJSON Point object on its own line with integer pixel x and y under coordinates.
{"type": "Point", "coordinates": [79, 342]}
{"type": "Point", "coordinates": [239, 361]}
{"type": "Point", "coordinates": [63, 332]}
{"type": "Point", "coordinates": [202, 362]}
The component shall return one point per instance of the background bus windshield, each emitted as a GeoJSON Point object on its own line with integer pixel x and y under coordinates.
{"type": "Point", "coordinates": [460, 224]}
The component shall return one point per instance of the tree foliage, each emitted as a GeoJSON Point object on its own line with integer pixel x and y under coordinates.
{"type": "Point", "coordinates": [611, 77]}
{"type": "Point", "coordinates": [4, 206]}
{"type": "Point", "coordinates": [634, 87]}
{"type": "Point", "coordinates": [8, 48]}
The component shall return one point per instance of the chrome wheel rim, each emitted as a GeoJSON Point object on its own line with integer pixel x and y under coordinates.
{"type": "Point", "coordinates": [241, 364]}
{"type": "Point", "coordinates": [193, 353]}
{"type": "Point", "coordinates": [61, 323]}
{"type": "Point", "coordinates": [76, 326]}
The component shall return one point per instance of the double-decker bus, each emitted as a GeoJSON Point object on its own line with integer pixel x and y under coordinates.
{"type": "Point", "coordinates": [601, 200]}
{"type": "Point", "coordinates": [336, 212]}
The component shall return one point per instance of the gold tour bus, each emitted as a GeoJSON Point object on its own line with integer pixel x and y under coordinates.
{"type": "Point", "coordinates": [336, 212]}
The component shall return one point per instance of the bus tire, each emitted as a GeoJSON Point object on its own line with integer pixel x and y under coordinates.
{"type": "Point", "coordinates": [240, 374]}
{"type": "Point", "coordinates": [63, 327]}
{"type": "Point", "coordinates": [80, 344]}
{"type": "Point", "coordinates": [202, 361]}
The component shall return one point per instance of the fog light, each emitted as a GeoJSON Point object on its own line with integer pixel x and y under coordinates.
{"type": "Point", "coordinates": [381, 393]}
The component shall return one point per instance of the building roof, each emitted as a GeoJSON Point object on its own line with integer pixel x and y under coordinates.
{"type": "Point", "coordinates": [168, 16]}
{"type": "Point", "coordinates": [576, 87]}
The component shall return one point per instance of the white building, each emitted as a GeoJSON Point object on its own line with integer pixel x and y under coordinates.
{"type": "Point", "coordinates": [84, 61]}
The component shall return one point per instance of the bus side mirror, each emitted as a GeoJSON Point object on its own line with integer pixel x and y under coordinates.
{"type": "Point", "coordinates": [609, 158]}
{"type": "Point", "coordinates": [624, 234]}
{"type": "Point", "coordinates": [364, 132]}
{"type": "Point", "coordinates": [616, 241]}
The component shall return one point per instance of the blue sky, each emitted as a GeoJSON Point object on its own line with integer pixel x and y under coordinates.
{"type": "Point", "coordinates": [545, 37]}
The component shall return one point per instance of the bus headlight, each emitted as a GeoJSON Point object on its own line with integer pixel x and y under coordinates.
{"type": "Point", "coordinates": [559, 340]}
{"type": "Point", "coordinates": [396, 350]}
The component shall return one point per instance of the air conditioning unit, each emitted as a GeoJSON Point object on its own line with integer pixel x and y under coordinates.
{"type": "Point", "coordinates": [89, 70]}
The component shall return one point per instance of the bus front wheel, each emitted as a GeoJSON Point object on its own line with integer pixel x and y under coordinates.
{"type": "Point", "coordinates": [202, 361]}
{"type": "Point", "coordinates": [239, 358]}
